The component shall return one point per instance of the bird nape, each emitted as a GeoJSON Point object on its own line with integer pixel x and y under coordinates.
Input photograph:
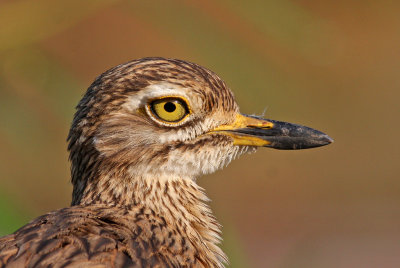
{"type": "Point", "coordinates": [141, 135]}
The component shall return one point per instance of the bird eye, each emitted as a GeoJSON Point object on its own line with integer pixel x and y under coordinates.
{"type": "Point", "coordinates": [169, 109]}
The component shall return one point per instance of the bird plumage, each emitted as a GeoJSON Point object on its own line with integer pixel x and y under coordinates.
{"type": "Point", "coordinates": [135, 200]}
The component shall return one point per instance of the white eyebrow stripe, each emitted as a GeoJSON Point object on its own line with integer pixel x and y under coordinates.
{"type": "Point", "coordinates": [163, 89]}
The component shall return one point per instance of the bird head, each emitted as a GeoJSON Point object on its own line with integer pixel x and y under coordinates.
{"type": "Point", "coordinates": [156, 117]}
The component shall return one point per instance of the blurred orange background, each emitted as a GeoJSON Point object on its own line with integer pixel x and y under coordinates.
{"type": "Point", "coordinates": [331, 65]}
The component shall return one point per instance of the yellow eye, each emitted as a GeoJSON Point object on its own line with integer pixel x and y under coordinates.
{"type": "Point", "coordinates": [169, 109]}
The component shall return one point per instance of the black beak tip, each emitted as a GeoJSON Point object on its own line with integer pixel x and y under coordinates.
{"type": "Point", "coordinates": [327, 139]}
{"type": "Point", "coordinates": [297, 137]}
{"type": "Point", "coordinates": [315, 139]}
{"type": "Point", "coordinates": [322, 140]}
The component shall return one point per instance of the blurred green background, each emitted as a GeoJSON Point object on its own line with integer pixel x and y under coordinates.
{"type": "Point", "coordinates": [331, 65]}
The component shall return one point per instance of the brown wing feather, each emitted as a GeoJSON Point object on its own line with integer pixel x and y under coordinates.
{"type": "Point", "coordinates": [100, 237]}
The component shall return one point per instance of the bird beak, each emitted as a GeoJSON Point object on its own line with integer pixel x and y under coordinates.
{"type": "Point", "coordinates": [254, 131]}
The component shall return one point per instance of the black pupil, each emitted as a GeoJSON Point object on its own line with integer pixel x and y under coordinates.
{"type": "Point", "coordinates": [170, 107]}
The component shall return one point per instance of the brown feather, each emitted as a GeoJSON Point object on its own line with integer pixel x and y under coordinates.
{"type": "Point", "coordinates": [129, 206]}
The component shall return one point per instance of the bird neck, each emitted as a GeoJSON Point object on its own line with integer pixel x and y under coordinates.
{"type": "Point", "coordinates": [180, 201]}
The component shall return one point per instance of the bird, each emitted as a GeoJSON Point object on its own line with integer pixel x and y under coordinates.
{"type": "Point", "coordinates": [142, 134]}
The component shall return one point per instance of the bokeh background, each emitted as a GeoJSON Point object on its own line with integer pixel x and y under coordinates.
{"type": "Point", "coordinates": [332, 65]}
